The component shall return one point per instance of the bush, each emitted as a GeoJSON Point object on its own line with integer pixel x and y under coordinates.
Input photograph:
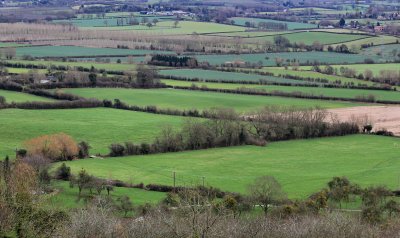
{"type": "Point", "coordinates": [56, 147]}
{"type": "Point", "coordinates": [63, 172]}
{"type": "Point", "coordinates": [117, 150]}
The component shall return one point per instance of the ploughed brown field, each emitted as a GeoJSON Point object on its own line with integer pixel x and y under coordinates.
{"type": "Point", "coordinates": [381, 117]}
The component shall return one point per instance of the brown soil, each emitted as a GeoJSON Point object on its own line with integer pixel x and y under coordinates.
{"type": "Point", "coordinates": [381, 117]}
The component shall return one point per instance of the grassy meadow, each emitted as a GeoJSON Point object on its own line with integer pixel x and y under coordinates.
{"type": "Point", "coordinates": [241, 21]}
{"type": "Point", "coordinates": [224, 76]}
{"type": "Point", "coordinates": [187, 99]}
{"type": "Point", "coordinates": [71, 51]}
{"type": "Point", "coordinates": [183, 28]}
{"type": "Point", "coordinates": [330, 92]}
{"type": "Point", "coordinates": [88, 65]}
{"type": "Point", "coordinates": [309, 37]}
{"type": "Point", "coordinates": [99, 126]}
{"type": "Point", "coordinates": [12, 96]}
{"type": "Point", "coordinates": [301, 166]}
{"type": "Point", "coordinates": [268, 59]}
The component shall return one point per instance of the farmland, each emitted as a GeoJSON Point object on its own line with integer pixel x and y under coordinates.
{"type": "Point", "coordinates": [183, 28]}
{"type": "Point", "coordinates": [213, 118]}
{"type": "Point", "coordinates": [359, 68]}
{"type": "Point", "coordinates": [12, 96]}
{"type": "Point", "coordinates": [223, 76]}
{"type": "Point", "coordinates": [268, 59]}
{"type": "Point", "coordinates": [186, 99]}
{"type": "Point", "coordinates": [291, 25]}
{"type": "Point", "coordinates": [87, 65]}
{"type": "Point", "coordinates": [330, 92]}
{"type": "Point", "coordinates": [309, 37]}
{"type": "Point", "coordinates": [71, 51]}
{"type": "Point", "coordinates": [301, 166]}
{"type": "Point", "coordinates": [81, 124]}
{"type": "Point", "coordinates": [109, 22]}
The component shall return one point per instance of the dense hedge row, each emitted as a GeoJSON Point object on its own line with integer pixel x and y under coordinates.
{"type": "Point", "coordinates": [57, 105]}
{"type": "Point", "coordinates": [316, 82]}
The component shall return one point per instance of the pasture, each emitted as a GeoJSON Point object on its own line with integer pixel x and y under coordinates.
{"type": "Point", "coordinates": [375, 68]}
{"type": "Point", "coordinates": [224, 76]}
{"type": "Point", "coordinates": [183, 28]}
{"type": "Point", "coordinates": [306, 37]}
{"type": "Point", "coordinates": [99, 126]}
{"type": "Point", "coordinates": [330, 92]}
{"type": "Point", "coordinates": [187, 99]}
{"type": "Point", "coordinates": [379, 40]}
{"type": "Point", "coordinates": [268, 59]}
{"type": "Point", "coordinates": [359, 68]}
{"type": "Point", "coordinates": [72, 65]}
{"type": "Point", "coordinates": [241, 21]}
{"type": "Point", "coordinates": [307, 72]}
{"type": "Point", "coordinates": [301, 166]}
{"type": "Point", "coordinates": [113, 21]}
{"type": "Point", "coordinates": [71, 51]}
{"type": "Point", "coordinates": [388, 52]}
{"type": "Point", "coordinates": [12, 96]}
{"type": "Point", "coordinates": [309, 37]}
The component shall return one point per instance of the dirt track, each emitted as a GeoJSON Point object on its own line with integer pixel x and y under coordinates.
{"type": "Point", "coordinates": [387, 117]}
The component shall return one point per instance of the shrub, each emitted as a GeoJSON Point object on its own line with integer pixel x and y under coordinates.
{"type": "Point", "coordinates": [56, 147]}
{"type": "Point", "coordinates": [117, 150]}
{"type": "Point", "coordinates": [63, 172]}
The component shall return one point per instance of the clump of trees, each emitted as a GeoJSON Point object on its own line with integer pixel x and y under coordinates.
{"type": "Point", "coordinates": [172, 60]}
{"type": "Point", "coordinates": [276, 123]}
{"type": "Point", "coordinates": [224, 128]}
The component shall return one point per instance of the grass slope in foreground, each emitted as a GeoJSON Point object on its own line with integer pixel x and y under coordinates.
{"type": "Point", "coordinates": [188, 99]}
{"type": "Point", "coordinates": [12, 96]}
{"type": "Point", "coordinates": [98, 126]}
{"type": "Point", "coordinates": [301, 166]}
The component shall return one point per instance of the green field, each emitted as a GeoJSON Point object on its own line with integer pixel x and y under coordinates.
{"type": "Point", "coordinates": [375, 68]}
{"type": "Point", "coordinates": [380, 40]}
{"type": "Point", "coordinates": [224, 76]}
{"type": "Point", "coordinates": [302, 57]}
{"type": "Point", "coordinates": [301, 166]}
{"type": "Point", "coordinates": [306, 37]}
{"type": "Point", "coordinates": [98, 126]}
{"type": "Point", "coordinates": [71, 51]}
{"type": "Point", "coordinates": [12, 96]}
{"type": "Point", "coordinates": [187, 99]}
{"type": "Point", "coordinates": [330, 92]}
{"type": "Point", "coordinates": [307, 73]}
{"type": "Point", "coordinates": [325, 38]}
{"type": "Point", "coordinates": [291, 25]}
{"type": "Point", "coordinates": [388, 52]}
{"type": "Point", "coordinates": [110, 22]}
{"type": "Point", "coordinates": [183, 28]}
{"type": "Point", "coordinates": [8, 44]}
{"type": "Point", "coordinates": [359, 68]}
{"type": "Point", "coordinates": [88, 65]}
{"type": "Point", "coordinates": [67, 197]}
